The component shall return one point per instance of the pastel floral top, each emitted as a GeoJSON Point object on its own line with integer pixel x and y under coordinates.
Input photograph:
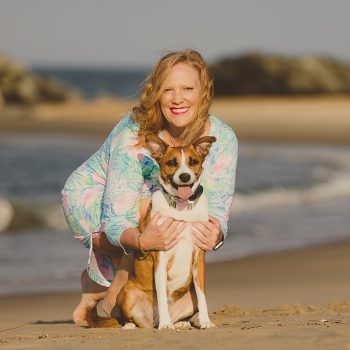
{"type": "Point", "coordinates": [104, 193]}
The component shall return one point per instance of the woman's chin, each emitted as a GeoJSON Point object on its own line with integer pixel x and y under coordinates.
{"type": "Point", "coordinates": [180, 121]}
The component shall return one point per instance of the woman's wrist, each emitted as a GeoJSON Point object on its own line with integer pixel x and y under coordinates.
{"type": "Point", "coordinates": [220, 237]}
{"type": "Point", "coordinates": [140, 245]}
{"type": "Point", "coordinates": [129, 238]}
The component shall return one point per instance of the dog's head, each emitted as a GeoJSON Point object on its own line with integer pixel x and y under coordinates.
{"type": "Point", "coordinates": [180, 167]}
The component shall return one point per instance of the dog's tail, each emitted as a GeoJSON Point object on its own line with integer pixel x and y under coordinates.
{"type": "Point", "coordinates": [95, 321]}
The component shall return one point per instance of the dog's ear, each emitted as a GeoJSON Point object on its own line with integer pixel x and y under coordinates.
{"type": "Point", "coordinates": [156, 146]}
{"type": "Point", "coordinates": [202, 145]}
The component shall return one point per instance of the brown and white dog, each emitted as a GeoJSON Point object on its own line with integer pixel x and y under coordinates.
{"type": "Point", "coordinates": [161, 278]}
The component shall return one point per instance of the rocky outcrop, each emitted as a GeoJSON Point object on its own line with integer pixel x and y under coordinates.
{"type": "Point", "coordinates": [6, 214]}
{"type": "Point", "coordinates": [258, 74]}
{"type": "Point", "coordinates": [21, 87]}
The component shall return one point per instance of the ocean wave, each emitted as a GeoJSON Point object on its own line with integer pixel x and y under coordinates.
{"type": "Point", "coordinates": [25, 215]}
{"type": "Point", "coordinates": [6, 214]}
{"type": "Point", "coordinates": [17, 216]}
{"type": "Point", "coordinates": [337, 185]}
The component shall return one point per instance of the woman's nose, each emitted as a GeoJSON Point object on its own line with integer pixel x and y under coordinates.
{"type": "Point", "coordinates": [178, 97]}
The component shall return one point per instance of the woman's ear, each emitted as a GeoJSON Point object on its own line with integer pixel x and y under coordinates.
{"type": "Point", "coordinates": [202, 145]}
{"type": "Point", "coordinates": [156, 146]}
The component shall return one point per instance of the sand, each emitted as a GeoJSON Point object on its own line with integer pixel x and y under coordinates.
{"type": "Point", "coordinates": [312, 119]}
{"type": "Point", "coordinates": [289, 300]}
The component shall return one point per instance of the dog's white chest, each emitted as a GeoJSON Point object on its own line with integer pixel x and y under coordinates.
{"type": "Point", "coordinates": [178, 260]}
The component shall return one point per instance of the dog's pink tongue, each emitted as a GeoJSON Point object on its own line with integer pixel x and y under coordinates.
{"type": "Point", "coordinates": [184, 192]}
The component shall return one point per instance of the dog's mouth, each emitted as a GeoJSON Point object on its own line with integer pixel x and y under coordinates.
{"type": "Point", "coordinates": [183, 191]}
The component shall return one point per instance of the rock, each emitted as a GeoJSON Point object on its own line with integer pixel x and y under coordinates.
{"type": "Point", "coordinates": [21, 87]}
{"type": "Point", "coordinates": [258, 74]}
{"type": "Point", "coordinates": [6, 214]}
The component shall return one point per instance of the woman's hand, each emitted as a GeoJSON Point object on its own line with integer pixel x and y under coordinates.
{"type": "Point", "coordinates": [163, 236]}
{"type": "Point", "coordinates": [207, 234]}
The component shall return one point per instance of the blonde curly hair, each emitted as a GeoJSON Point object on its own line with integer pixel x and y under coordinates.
{"type": "Point", "coordinates": [148, 113]}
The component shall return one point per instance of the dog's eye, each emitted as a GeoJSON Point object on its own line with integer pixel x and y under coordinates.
{"type": "Point", "coordinates": [172, 162]}
{"type": "Point", "coordinates": [193, 161]}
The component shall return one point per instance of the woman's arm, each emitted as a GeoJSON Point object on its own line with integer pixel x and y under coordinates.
{"type": "Point", "coordinates": [121, 202]}
{"type": "Point", "coordinates": [219, 185]}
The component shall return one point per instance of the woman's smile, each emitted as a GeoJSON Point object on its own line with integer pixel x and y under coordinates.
{"type": "Point", "coordinates": [180, 97]}
{"type": "Point", "coordinates": [179, 110]}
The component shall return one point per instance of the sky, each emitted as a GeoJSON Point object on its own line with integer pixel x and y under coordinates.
{"type": "Point", "coordinates": [136, 33]}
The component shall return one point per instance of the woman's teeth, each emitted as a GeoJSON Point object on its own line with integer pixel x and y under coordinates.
{"type": "Point", "coordinates": [179, 110]}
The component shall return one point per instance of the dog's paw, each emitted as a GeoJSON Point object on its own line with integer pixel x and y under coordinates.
{"type": "Point", "coordinates": [167, 326]}
{"type": "Point", "coordinates": [129, 326]}
{"type": "Point", "coordinates": [183, 325]}
{"type": "Point", "coordinates": [207, 325]}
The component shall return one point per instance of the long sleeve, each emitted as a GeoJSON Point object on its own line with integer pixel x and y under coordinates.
{"type": "Point", "coordinates": [220, 174]}
{"type": "Point", "coordinates": [121, 202]}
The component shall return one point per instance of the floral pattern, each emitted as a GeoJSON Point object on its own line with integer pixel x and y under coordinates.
{"type": "Point", "coordinates": [103, 194]}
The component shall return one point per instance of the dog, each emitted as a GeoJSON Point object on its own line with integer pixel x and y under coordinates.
{"type": "Point", "coordinates": [162, 278]}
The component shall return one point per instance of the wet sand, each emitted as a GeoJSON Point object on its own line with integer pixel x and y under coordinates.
{"type": "Point", "coordinates": [290, 300]}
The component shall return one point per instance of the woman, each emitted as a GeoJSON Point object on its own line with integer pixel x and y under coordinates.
{"type": "Point", "coordinates": [106, 196]}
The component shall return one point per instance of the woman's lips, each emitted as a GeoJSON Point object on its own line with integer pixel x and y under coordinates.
{"type": "Point", "coordinates": [178, 110]}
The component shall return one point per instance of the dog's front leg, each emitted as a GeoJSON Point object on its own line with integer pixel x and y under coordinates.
{"type": "Point", "coordinates": [161, 282]}
{"type": "Point", "coordinates": [198, 279]}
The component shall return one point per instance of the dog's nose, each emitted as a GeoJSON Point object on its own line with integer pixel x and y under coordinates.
{"type": "Point", "coordinates": [184, 177]}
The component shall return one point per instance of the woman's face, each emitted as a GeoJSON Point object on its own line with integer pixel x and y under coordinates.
{"type": "Point", "coordinates": [180, 95]}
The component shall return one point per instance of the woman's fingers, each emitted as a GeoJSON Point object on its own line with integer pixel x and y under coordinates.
{"type": "Point", "coordinates": [214, 221]}
{"type": "Point", "coordinates": [173, 226]}
{"type": "Point", "coordinates": [174, 236]}
{"type": "Point", "coordinates": [155, 218]}
{"type": "Point", "coordinates": [200, 227]}
{"type": "Point", "coordinates": [209, 225]}
{"type": "Point", "coordinates": [175, 241]}
{"type": "Point", "coordinates": [201, 245]}
{"type": "Point", "coordinates": [200, 237]}
{"type": "Point", "coordinates": [165, 224]}
{"type": "Point", "coordinates": [180, 226]}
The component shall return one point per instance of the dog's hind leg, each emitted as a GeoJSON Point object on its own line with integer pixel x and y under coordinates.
{"type": "Point", "coordinates": [185, 307]}
{"type": "Point", "coordinates": [136, 307]}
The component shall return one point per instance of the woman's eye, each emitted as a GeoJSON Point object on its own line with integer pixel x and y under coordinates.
{"type": "Point", "coordinates": [188, 88]}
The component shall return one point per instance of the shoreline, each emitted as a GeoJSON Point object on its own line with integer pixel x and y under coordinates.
{"type": "Point", "coordinates": [267, 301]}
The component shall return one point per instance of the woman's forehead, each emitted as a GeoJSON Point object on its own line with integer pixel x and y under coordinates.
{"type": "Point", "coordinates": [182, 73]}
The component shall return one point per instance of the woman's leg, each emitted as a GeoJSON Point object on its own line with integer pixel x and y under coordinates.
{"type": "Point", "coordinates": [93, 292]}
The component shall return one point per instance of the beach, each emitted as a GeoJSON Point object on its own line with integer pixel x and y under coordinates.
{"type": "Point", "coordinates": [283, 298]}
{"type": "Point", "coordinates": [278, 119]}
{"type": "Point", "coordinates": [288, 300]}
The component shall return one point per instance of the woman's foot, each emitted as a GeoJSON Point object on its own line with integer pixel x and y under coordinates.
{"type": "Point", "coordinates": [92, 293]}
